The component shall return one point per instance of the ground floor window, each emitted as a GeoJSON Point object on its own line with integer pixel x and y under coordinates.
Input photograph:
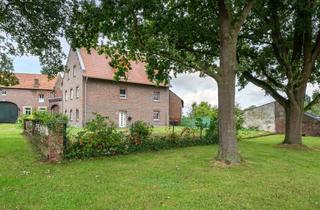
{"type": "Point", "coordinates": [27, 110]}
{"type": "Point", "coordinates": [156, 115]}
{"type": "Point", "coordinates": [70, 115]}
{"type": "Point", "coordinates": [42, 108]}
{"type": "Point", "coordinates": [77, 115]}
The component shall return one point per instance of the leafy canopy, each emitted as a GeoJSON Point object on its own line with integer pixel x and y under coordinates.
{"type": "Point", "coordinates": [31, 27]}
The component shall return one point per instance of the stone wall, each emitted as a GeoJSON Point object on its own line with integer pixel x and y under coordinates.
{"type": "Point", "coordinates": [262, 117]}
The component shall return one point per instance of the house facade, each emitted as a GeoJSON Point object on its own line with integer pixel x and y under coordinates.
{"type": "Point", "coordinates": [32, 93]}
{"type": "Point", "coordinates": [89, 87]}
{"type": "Point", "coordinates": [271, 117]}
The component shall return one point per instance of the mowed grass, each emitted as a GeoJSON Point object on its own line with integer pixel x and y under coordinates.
{"type": "Point", "coordinates": [270, 178]}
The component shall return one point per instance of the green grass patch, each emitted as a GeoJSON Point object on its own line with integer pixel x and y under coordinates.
{"type": "Point", "coordinates": [270, 178]}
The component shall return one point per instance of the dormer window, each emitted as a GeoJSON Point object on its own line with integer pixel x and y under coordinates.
{"type": "Point", "coordinates": [3, 92]}
{"type": "Point", "coordinates": [41, 98]}
{"type": "Point", "coordinates": [123, 93]}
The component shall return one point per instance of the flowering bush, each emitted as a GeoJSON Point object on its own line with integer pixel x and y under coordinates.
{"type": "Point", "coordinates": [140, 131]}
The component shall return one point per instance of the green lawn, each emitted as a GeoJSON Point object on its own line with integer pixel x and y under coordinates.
{"type": "Point", "coordinates": [270, 178]}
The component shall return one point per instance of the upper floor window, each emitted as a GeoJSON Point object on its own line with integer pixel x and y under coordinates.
{"type": "Point", "coordinates": [71, 94]}
{"type": "Point", "coordinates": [156, 96]}
{"type": "Point", "coordinates": [41, 98]}
{"type": "Point", "coordinates": [77, 92]}
{"type": "Point", "coordinates": [123, 93]}
{"type": "Point", "coordinates": [27, 110]}
{"type": "Point", "coordinates": [66, 95]}
{"type": "Point", "coordinates": [74, 71]}
{"type": "Point", "coordinates": [156, 115]}
{"type": "Point", "coordinates": [68, 74]}
{"type": "Point", "coordinates": [3, 92]}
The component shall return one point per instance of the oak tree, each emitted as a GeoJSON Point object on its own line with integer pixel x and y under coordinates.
{"type": "Point", "coordinates": [280, 53]}
{"type": "Point", "coordinates": [170, 36]}
{"type": "Point", "coordinates": [31, 28]}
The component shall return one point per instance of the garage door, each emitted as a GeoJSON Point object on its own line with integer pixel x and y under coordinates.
{"type": "Point", "coordinates": [8, 112]}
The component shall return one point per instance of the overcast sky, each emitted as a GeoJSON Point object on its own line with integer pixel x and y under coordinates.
{"type": "Point", "coordinates": [190, 87]}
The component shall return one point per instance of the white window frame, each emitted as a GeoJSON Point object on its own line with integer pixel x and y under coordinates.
{"type": "Point", "coordinates": [77, 115]}
{"type": "Point", "coordinates": [42, 108]}
{"type": "Point", "coordinates": [41, 99]}
{"type": "Point", "coordinates": [3, 91]}
{"type": "Point", "coordinates": [71, 93]}
{"type": "Point", "coordinates": [66, 95]}
{"type": "Point", "coordinates": [156, 93]}
{"type": "Point", "coordinates": [70, 115]}
{"type": "Point", "coordinates": [123, 96]}
{"type": "Point", "coordinates": [122, 119]}
{"type": "Point", "coordinates": [158, 114]}
{"type": "Point", "coordinates": [77, 92]}
{"type": "Point", "coordinates": [27, 107]}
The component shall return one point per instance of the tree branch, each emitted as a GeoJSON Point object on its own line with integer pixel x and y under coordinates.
{"type": "Point", "coordinates": [316, 49]}
{"type": "Point", "coordinates": [264, 85]}
{"type": "Point", "coordinates": [272, 80]}
{"type": "Point", "coordinates": [243, 15]}
{"type": "Point", "coordinates": [314, 101]}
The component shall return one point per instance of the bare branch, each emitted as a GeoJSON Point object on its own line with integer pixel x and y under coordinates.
{"type": "Point", "coordinates": [268, 88]}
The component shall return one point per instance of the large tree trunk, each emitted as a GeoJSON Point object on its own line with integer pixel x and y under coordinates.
{"type": "Point", "coordinates": [294, 116]}
{"type": "Point", "coordinates": [228, 148]}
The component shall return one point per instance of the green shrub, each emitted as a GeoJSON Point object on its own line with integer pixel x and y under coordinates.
{"type": "Point", "coordinates": [212, 133]}
{"type": "Point", "coordinates": [140, 131]}
{"type": "Point", "coordinates": [98, 138]}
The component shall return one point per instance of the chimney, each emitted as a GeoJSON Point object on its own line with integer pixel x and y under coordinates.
{"type": "Point", "coordinates": [36, 83]}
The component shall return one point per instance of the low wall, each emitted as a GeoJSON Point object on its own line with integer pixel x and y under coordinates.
{"type": "Point", "coordinates": [50, 142]}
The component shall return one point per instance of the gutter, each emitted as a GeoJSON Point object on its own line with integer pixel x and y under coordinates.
{"type": "Point", "coordinates": [85, 101]}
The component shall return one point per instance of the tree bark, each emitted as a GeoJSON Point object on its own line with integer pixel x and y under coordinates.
{"type": "Point", "coordinates": [228, 146]}
{"type": "Point", "coordinates": [294, 115]}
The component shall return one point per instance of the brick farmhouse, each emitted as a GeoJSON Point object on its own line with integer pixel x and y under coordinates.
{"type": "Point", "coordinates": [88, 87]}
{"type": "Point", "coordinates": [32, 93]}
{"type": "Point", "coordinates": [271, 117]}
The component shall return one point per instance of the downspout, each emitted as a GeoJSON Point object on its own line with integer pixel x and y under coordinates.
{"type": "Point", "coordinates": [85, 101]}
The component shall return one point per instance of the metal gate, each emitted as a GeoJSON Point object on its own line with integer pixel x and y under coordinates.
{"type": "Point", "coordinates": [8, 112]}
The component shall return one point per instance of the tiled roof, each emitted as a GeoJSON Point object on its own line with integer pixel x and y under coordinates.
{"type": "Point", "coordinates": [27, 81]}
{"type": "Point", "coordinates": [97, 66]}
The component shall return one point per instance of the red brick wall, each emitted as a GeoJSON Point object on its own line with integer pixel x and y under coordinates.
{"type": "Point", "coordinates": [73, 80]}
{"type": "Point", "coordinates": [26, 97]}
{"type": "Point", "coordinates": [103, 97]}
{"type": "Point", "coordinates": [175, 108]}
{"type": "Point", "coordinates": [310, 126]}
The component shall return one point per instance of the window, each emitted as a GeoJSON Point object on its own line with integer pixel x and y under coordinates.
{"type": "Point", "coordinates": [66, 95]}
{"type": "Point", "coordinates": [65, 112]}
{"type": "Point", "coordinates": [70, 115]}
{"type": "Point", "coordinates": [77, 115]}
{"type": "Point", "coordinates": [71, 94]}
{"type": "Point", "coordinates": [3, 92]}
{"type": "Point", "coordinates": [156, 96]}
{"type": "Point", "coordinates": [123, 93]}
{"type": "Point", "coordinates": [122, 119]}
{"type": "Point", "coordinates": [42, 108]}
{"type": "Point", "coordinates": [27, 110]}
{"type": "Point", "coordinates": [156, 115]}
{"type": "Point", "coordinates": [77, 92]}
{"type": "Point", "coordinates": [41, 98]}
{"type": "Point", "coordinates": [68, 74]}
{"type": "Point", "coordinates": [73, 70]}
